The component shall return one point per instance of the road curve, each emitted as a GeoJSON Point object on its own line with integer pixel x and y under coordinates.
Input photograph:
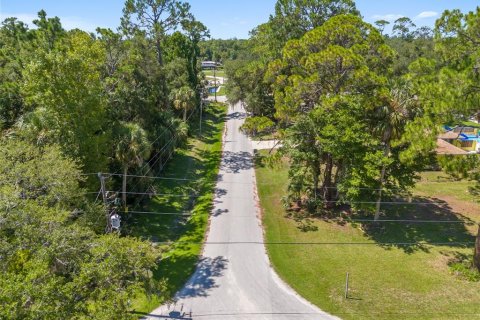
{"type": "Point", "coordinates": [234, 279]}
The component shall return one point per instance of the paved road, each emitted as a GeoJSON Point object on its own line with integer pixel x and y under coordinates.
{"type": "Point", "coordinates": [234, 279]}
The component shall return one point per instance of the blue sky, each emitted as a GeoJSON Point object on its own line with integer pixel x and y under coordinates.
{"type": "Point", "coordinates": [224, 18]}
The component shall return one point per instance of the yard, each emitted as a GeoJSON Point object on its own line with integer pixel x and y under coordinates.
{"type": "Point", "coordinates": [199, 162]}
{"type": "Point", "coordinates": [395, 281]}
{"type": "Point", "coordinates": [218, 73]}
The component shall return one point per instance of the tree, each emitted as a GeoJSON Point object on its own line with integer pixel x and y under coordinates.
{"type": "Point", "coordinates": [49, 30]}
{"type": "Point", "coordinates": [292, 19]}
{"type": "Point", "coordinates": [390, 122]}
{"type": "Point", "coordinates": [72, 271]}
{"type": "Point", "coordinates": [184, 99]}
{"type": "Point", "coordinates": [456, 36]}
{"type": "Point", "coordinates": [65, 88]}
{"type": "Point", "coordinates": [381, 24]}
{"type": "Point", "coordinates": [15, 48]}
{"type": "Point", "coordinates": [155, 17]}
{"type": "Point", "coordinates": [337, 66]}
{"type": "Point", "coordinates": [402, 27]}
{"type": "Point", "coordinates": [132, 148]}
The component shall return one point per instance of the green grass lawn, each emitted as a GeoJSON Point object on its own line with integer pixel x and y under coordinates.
{"type": "Point", "coordinates": [218, 73]}
{"type": "Point", "coordinates": [386, 282]}
{"type": "Point", "coordinates": [220, 92]}
{"type": "Point", "coordinates": [199, 160]}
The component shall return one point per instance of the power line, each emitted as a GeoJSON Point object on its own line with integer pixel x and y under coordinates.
{"type": "Point", "coordinates": [269, 197]}
{"type": "Point", "coordinates": [159, 158]}
{"type": "Point", "coordinates": [143, 177]}
{"type": "Point", "coordinates": [228, 182]}
{"type": "Point", "coordinates": [190, 316]}
{"type": "Point", "coordinates": [320, 243]}
{"type": "Point", "coordinates": [175, 135]}
{"type": "Point", "coordinates": [330, 220]}
{"type": "Point", "coordinates": [185, 214]}
{"type": "Point", "coordinates": [402, 221]}
{"type": "Point", "coordinates": [153, 194]}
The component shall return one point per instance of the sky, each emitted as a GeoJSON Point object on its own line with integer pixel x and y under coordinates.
{"type": "Point", "coordinates": [225, 18]}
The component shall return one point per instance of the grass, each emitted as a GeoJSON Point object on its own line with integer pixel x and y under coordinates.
{"type": "Point", "coordinates": [220, 92]}
{"type": "Point", "coordinates": [199, 161]}
{"type": "Point", "coordinates": [386, 282]}
{"type": "Point", "coordinates": [218, 73]}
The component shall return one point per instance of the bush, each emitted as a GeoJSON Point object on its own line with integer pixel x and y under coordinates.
{"type": "Point", "coordinates": [254, 126]}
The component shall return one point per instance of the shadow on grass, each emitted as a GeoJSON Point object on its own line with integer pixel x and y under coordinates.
{"type": "Point", "coordinates": [446, 227]}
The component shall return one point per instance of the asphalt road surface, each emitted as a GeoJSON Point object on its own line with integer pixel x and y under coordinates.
{"type": "Point", "coordinates": [234, 279]}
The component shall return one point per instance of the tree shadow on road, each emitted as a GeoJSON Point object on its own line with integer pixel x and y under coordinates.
{"type": "Point", "coordinates": [236, 115]}
{"type": "Point", "coordinates": [204, 279]}
{"type": "Point", "coordinates": [234, 162]}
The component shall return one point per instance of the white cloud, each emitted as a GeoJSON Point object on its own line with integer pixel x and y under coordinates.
{"type": "Point", "coordinates": [67, 22]}
{"type": "Point", "coordinates": [25, 17]}
{"type": "Point", "coordinates": [389, 17]}
{"type": "Point", "coordinates": [426, 14]}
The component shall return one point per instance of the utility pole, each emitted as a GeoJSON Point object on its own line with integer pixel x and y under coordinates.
{"type": "Point", "coordinates": [201, 111]}
{"type": "Point", "coordinates": [215, 79]}
{"type": "Point", "coordinates": [105, 201]}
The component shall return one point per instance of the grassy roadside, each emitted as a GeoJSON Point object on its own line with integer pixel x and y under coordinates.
{"type": "Point", "coordinates": [386, 282]}
{"type": "Point", "coordinates": [199, 162]}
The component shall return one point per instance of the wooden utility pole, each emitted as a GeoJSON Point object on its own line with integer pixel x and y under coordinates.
{"type": "Point", "coordinates": [215, 79]}
{"type": "Point", "coordinates": [105, 201]}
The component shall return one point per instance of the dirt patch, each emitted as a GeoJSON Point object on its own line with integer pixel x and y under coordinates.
{"type": "Point", "coordinates": [465, 208]}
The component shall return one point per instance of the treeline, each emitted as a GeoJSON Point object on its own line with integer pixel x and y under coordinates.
{"type": "Point", "coordinates": [223, 50]}
{"type": "Point", "coordinates": [358, 112]}
{"type": "Point", "coordinates": [74, 103]}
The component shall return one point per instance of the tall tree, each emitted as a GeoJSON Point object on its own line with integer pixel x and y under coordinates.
{"type": "Point", "coordinates": [390, 122]}
{"type": "Point", "coordinates": [65, 87]}
{"type": "Point", "coordinates": [155, 17]}
{"type": "Point", "coordinates": [132, 148]}
{"type": "Point", "coordinates": [184, 99]}
{"type": "Point", "coordinates": [381, 24]}
{"type": "Point", "coordinates": [458, 44]}
{"type": "Point", "coordinates": [16, 46]}
{"type": "Point", "coordinates": [330, 68]}
{"type": "Point", "coordinates": [402, 27]}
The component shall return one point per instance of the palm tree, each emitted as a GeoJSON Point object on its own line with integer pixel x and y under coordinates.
{"type": "Point", "coordinates": [184, 98]}
{"type": "Point", "coordinates": [391, 119]}
{"type": "Point", "coordinates": [131, 150]}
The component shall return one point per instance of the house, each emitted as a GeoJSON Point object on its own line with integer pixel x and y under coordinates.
{"type": "Point", "coordinates": [444, 147]}
{"type": "Point", "coordinates": [210, 65]}
{"type": "Point", "coordinates": [466, 139]}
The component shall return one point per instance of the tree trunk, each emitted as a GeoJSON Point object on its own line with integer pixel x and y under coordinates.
{"type": "Point", "coordinates": [327, 181]}
{"type": "Point", "coordinates": [184, 114]}
{"type": "Point", "coordinates": [382, 177]}
{"type": "Point", "coordinates": [379, 199]}
{"type": "Point", "coordinates": [159, 51]}
{"type": "Point", "coordinates": [124, 186]}
{"type": "Point", "coordinates": [316, 174]}
{"type": "Point", "coordinates": [476, 253]}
